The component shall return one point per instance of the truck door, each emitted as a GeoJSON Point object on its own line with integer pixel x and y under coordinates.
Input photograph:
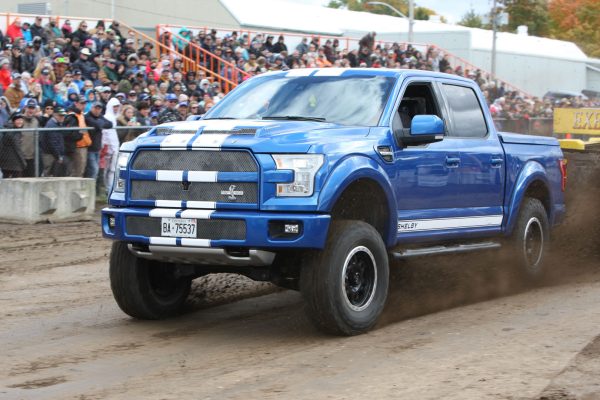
{"type": "Point", "coordinates": [481, 168]}
{"type": "Point", "coordinates": [425, 178]}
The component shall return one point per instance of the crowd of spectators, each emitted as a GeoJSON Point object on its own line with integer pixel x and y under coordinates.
{"type": "Point", "coordinates": [57, 75]}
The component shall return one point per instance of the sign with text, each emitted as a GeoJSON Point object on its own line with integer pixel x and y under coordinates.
{"type": "Point", "coordinates": [577, 120]}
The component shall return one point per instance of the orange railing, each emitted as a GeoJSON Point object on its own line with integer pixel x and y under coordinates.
{"type": "Point", "coordinates": [216, 67]}
{"type": "Point", "coordinates": [345, 43]}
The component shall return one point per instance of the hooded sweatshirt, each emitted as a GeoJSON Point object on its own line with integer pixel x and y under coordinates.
{"type": "Point", "coordinates": [109, 136]}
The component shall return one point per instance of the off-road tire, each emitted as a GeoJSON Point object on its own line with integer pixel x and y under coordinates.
{"type": "Point", "coordinates": [530, 241]}
{"type": "Point", "coordinates": [345, 285]}
{"type": "Point", "coordinates": [145, 289]}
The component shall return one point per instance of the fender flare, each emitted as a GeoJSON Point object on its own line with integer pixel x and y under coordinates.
{"type": "Point", "coordinates": [532, 171]}
{"type": "Point", "coordinates": [349, 170]}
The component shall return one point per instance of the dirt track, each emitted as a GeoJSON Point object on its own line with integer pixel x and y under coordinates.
{"type": "Point", "coordinates": [457, 329]}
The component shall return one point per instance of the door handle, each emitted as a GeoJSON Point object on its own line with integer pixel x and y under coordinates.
{"type": "Point", "coordinates": [452, 162]}
{"type": "Point", "coordinates": [497, 162]}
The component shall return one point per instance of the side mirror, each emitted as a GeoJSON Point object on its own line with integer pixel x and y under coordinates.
{"type": "Point", "coordinates": [425, 129]}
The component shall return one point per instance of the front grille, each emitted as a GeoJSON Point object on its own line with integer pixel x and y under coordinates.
{"type": "Point", "coordinates": [195, 160]}
{"type": "Point", "coordinates": [214, 229]}
{"type": "Point", "coordinates": [197, 191]}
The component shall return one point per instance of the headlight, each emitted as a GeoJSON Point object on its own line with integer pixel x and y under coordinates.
{"type": "Point", "coordinates": [305, 167]}
{"type": "Point", "coordinates": [119, 183]}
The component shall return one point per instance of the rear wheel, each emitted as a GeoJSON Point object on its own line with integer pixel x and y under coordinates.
{"type": "Point", "coordinates": [530, 240]}
{"type": "Point", "coordinates": [345, 285]}
{"type": "Point", "coordinates": [146, 289]}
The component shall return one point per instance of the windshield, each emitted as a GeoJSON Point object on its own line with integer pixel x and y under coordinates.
{"type": "Point", "coordinates": [345, 100]}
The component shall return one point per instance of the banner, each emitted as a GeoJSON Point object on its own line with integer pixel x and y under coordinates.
{"type": "Point", "coordinates": [577, 120]}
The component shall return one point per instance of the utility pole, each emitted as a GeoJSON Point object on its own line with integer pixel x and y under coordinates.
{"type": "Point", "coordinates": [411, 20]}
{"type": "Point", "coordinates": [494, 31]}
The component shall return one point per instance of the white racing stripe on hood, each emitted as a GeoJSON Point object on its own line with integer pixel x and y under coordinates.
{"type": "Point", "coordinates": [300, 72]}
{"type": "Point", "coordinates": [210, 140]}
{"type": "Point", "coordinates": [330, 72]}
{"type": "Point", "coordinates": [176, 140]}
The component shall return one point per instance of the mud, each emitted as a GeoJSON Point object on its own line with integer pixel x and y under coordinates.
{"type": "Point", "coordinates": [453, 328]}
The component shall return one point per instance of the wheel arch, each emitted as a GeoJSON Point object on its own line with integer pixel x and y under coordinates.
{"type": "Point", "coordinates": [531, 182]}
{"type": "Point", "coordinates": [351, 190]}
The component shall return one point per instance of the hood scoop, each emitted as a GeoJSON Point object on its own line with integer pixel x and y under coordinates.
{"type": "Point", "coordinates": [171, 130]}
{"type": "Point", "coordinates": [241, 131]}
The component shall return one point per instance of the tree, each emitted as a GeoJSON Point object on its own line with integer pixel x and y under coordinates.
{"type": "Point", "coordinates": [532, 13]}
{"type": "Point", "coordinates": [471, 20]}
{"type": "Point", "coordinates": [576, 21]}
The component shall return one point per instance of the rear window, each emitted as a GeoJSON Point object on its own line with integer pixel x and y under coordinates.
{"type": "Point", "coordinates": [465, 111]}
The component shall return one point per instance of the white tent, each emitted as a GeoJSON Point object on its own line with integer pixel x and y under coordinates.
{"type": "Point", "coordinates": [521, 59]}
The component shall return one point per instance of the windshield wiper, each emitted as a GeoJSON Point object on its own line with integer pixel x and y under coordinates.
{"type": "Point", "coordinates": [220, 118]}
{"type": "Point", "coordinates": [295, 118]}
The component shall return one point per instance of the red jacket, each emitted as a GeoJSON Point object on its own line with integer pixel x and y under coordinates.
{"type": "Point", "coordinates": [14, 32]}
{"type": "Point", "coordinates": [5, 78]}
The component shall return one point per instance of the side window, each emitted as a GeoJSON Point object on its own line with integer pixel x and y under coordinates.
{"type": "Point", "coordinates": [418, 99]}
{"type": "Point", "coordinates": [465, 112]}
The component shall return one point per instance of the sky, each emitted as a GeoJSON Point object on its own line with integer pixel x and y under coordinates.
{"type": "Point", "coordinates": [453, 10]}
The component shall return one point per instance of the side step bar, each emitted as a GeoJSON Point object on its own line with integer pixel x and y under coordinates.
{"type": "Point", "coordinates": [437, 250]}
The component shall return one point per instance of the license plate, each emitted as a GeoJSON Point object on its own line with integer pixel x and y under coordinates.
{"type": "Point", "coordinates": [178, 227]}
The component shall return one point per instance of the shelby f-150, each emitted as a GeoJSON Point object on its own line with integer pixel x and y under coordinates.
{"type": "Point", "coordinates": [315, 179]}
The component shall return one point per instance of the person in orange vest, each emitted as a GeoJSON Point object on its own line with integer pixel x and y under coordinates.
{"type": "Point", "coordinates": [76, 145]}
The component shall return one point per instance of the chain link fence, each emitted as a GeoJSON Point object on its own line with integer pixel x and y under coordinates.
{"type": "Point", "coordinates": [56, 152]}
{"type": "Point", "coordinates": [47, 152]}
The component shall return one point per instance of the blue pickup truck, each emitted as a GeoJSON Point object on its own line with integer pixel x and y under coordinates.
{"type": "Point", "coordinates": [315, 179]}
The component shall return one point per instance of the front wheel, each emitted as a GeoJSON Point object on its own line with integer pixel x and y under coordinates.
{"type": "Point", "coordinates": [530, 240]}
{"type": "Point", "coordinates": [345, 285]}
{"type": "Point", "coordinates": [146, 289]}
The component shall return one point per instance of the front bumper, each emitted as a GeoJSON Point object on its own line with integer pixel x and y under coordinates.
{"type": "Point", "coordinates": [258, 232]}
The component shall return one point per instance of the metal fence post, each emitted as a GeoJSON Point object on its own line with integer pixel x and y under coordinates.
{"type": "Point", "coordinates": [36, 152]}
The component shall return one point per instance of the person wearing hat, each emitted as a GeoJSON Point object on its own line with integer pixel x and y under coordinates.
{"type": "Point", "coordinates": [182, 109]}
{"type": "Point", "coordinates": [15, 92]}
{"type": "Point", "coordinates": [77, 142]}
{"type": "Point", "coordinates": [30, 109]}
{"type": "Point", "coordinates": [53, 145]}
{"type": "Point", "coordinates": [108, 73]}
{"type": "Point", "coordinates": [12, 162]}
{"type": "Point", "coordinates": [85, 63]}
{"type": "Point", "coordinates": [28, 59]}
{"type": "Point", "coordinates": [94, 119]}
{"type": "Point", "coordinates": [170, 112]}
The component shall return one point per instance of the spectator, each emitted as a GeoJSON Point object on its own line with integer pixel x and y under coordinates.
{"type": "Point", "coordinates": [13, 32]}
{"type": "Point", "coordinates": [53, 145]}
{"type": "Point", "coordinates": [5, 74]}
{"type": "Point", "coordinates": [46, 112]}
{"type": "Point", "coordinates": [29, 143]}
{"type": "Point", "coordinates": [12, 162]}
{"type": "Point", "coordinates": [108, 72]}
{"type": "Point", "coordinates": [38, 30]}
{"type": "Point", "coordinates": [52, 32]}
{"type": "Point", "coordinates": [26, 31]}
{"type": "Point", "coordinates": [280, 45]}
{"type": "Point", "coordinates": [14, 93]}
{"type": "Point", "coordinates": [5, 113]}
{"type": "Point", "coordinates": [170, 113]}
{"type": "Point", "coordinates": [81, 33]}
{"type": "Point", "coordinates": [94, 119]}
{"type": "Point", "coordinates": [143, 114]}
{"type": "Point", "coordinates": [110, 143]}
{"type": "Point", "coordinates": [77, 142]}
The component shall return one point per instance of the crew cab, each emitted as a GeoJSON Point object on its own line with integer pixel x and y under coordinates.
{"type": "Point", "coordinates": [316, 179]}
